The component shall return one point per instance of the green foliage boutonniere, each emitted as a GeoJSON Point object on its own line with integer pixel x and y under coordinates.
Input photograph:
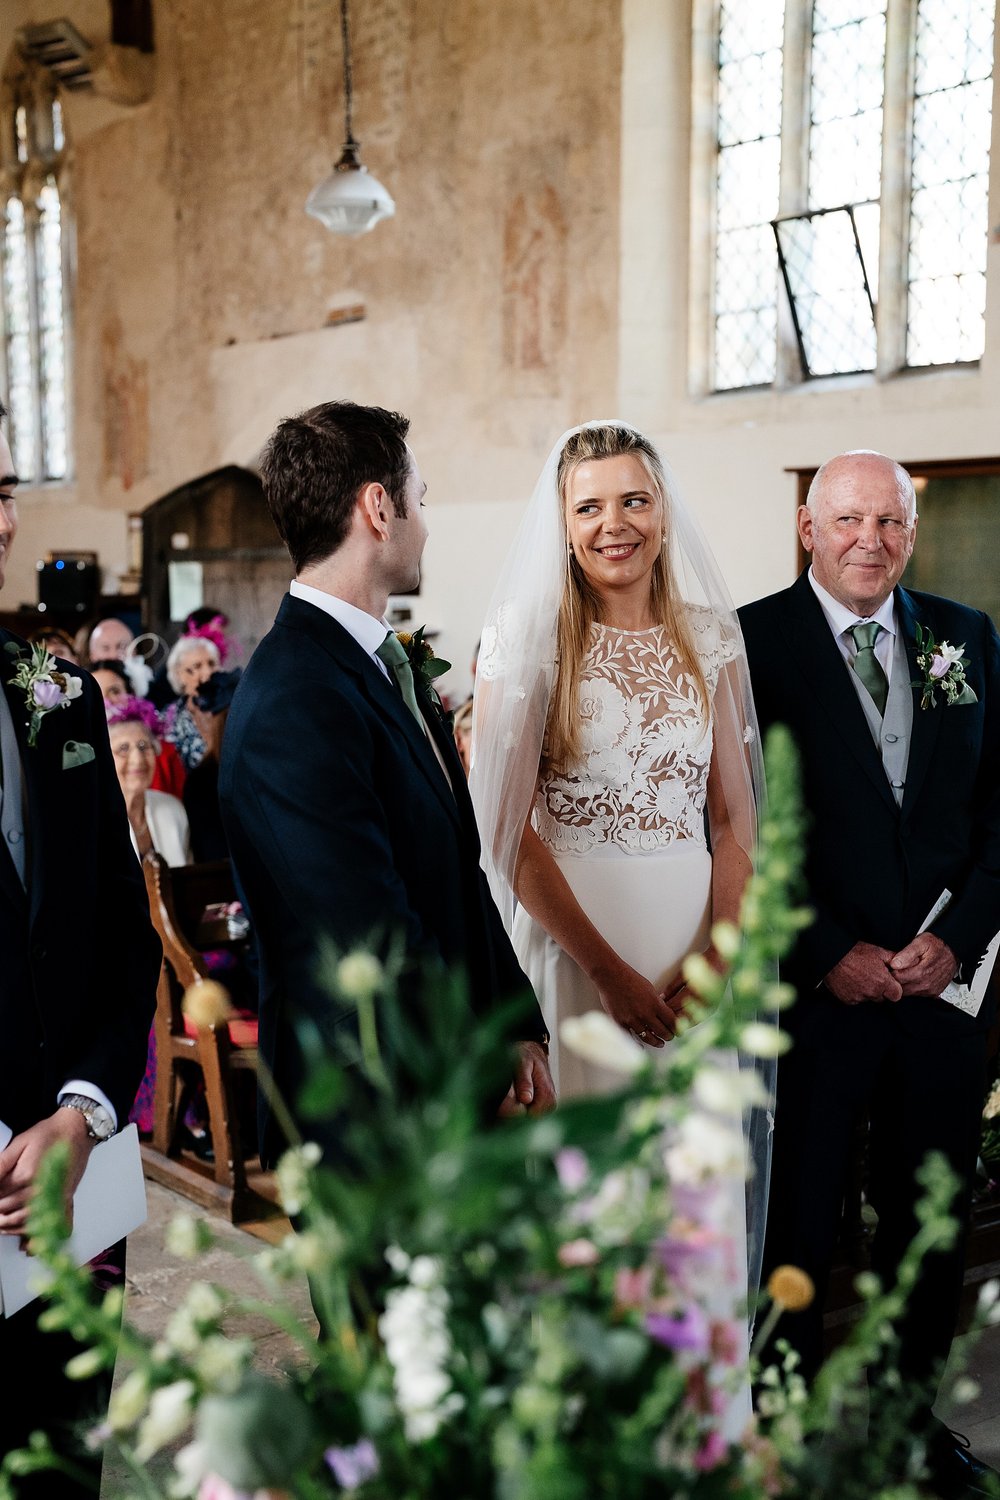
{"type": "Point", "coordinates": [45, 688]}
{"type": "Point", "coordinates": [942, 667]}
{"type": "Point", "coordinates": [424, 665]}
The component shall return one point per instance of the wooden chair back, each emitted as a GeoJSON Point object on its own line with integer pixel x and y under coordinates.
{"type": "Point", "coordinates": [178, 899]}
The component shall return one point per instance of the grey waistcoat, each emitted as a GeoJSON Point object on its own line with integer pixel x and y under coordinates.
{"type": "Point", "coordinates": [892, 732]}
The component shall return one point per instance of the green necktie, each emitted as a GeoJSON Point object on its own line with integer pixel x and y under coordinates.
{"type": "Point", "coordinates": [867, 664]}
{"type": "Point", "coordinates": [395, 658]}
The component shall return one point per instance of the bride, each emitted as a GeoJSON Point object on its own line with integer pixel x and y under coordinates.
{"type": "Point", "coordinates": [615, 762]}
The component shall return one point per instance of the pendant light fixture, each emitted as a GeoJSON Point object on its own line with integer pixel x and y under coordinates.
{"type": "Point", "coordinates": [350, 201]}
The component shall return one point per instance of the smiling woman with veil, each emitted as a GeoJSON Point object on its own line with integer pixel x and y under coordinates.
{"type": "Point", "coordinates": [615, 764]}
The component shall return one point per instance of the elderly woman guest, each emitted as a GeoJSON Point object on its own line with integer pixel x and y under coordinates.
{"type": "Point", "coordinates": [192, 661]}
{"type": "Point", "coordinates": [157, 820]}
{"type": "Point", "coordinates": [612, 714]}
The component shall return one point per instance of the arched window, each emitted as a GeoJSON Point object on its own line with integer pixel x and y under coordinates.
{"type": "Point", "coordinates": [851, 149]}
{"type": "Point", "coordinates": [34, 260]}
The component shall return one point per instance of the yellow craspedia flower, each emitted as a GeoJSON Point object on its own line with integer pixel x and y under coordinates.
{"type": "Point", "coordinates": [791, 1288]}
{"type": "Point", "coordinates": [404, 638]}
{"type": "Point", "coordinates": [207, 1003]}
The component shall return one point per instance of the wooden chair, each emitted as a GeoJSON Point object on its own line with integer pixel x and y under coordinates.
{"type": "Point", "coordinates": [185, 1052]}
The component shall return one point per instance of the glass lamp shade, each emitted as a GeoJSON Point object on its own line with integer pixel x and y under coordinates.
{"type": "Point", "coordinates": [350, 201]}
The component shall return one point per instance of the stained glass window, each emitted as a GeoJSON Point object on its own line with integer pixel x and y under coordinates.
{"type": "Point", "coordinates": [32, 261]}
{"type": "Point", "coordinates": [950, 179]}
{"type": "Point", "coordinates": [746, 188]}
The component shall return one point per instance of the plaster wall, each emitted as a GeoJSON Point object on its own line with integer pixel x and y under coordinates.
{"type": "Point", "coordinates": [537, 274]}
{"type": "Point", "coordinates": [208, 304]}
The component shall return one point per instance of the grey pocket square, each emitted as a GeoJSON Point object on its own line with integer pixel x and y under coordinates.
{"type": "Point", "coordinates": [76, 753]}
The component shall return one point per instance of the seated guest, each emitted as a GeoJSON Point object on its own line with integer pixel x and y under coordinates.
{"type": "Point", "coordinates": [56, 641]}
{"type": "Point", "coordinates": [109, 638]}
{"type": "Point", "coordinates": [112, 679]}
{"type": "Point", "coordinates": [193, 660]}
{"type": "Point", "coordinates": [110, 675]}
{"type": "Point", "coordinates": [195, 723]}
{"type": "Point", "coordinates": [156, 819]}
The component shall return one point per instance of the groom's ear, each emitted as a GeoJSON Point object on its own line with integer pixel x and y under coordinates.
{"type": "Point", "coordinates": [374, 505]}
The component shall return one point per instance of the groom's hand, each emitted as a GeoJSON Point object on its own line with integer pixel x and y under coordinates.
{"type": "Point", "coordinates": [926, 966]}
{"type": "Point", "coordinates": [864, 974]}
{"type": "Point", "coordinates": [532, 1091]}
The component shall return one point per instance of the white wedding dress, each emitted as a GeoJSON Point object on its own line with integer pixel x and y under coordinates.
{"type": "Point", "coordinates": [627, 827]}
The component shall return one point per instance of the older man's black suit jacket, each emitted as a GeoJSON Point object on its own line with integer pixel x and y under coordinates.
{"type": "Point", "coordinates": [78, 955]}
{"type": "Point", "coordinates": [341, 823]}
{"type": "Point", "coordinates": [873, 869]}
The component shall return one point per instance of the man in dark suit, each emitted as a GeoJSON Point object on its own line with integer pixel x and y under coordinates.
{"type": "Point", "coordinates": [343, 796]}
{"type": "Point", "coordinates": [78, 967]}
{"type": "Point", "coordinates": [903, 805]}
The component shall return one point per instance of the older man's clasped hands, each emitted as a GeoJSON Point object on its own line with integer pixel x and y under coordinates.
{"type": "Point", "coordinates": [870, 973]}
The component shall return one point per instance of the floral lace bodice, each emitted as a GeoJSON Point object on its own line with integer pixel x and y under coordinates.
{"type": "Point", "coordinates": [642, 777]}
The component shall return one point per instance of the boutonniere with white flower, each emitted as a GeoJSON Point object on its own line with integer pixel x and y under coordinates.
{"type": "Point", "coordinates": [45, 688]}
{"type": "Point", "coordinates": [942, 668]}
{"type": "Point", "coordinates": [424, 665]}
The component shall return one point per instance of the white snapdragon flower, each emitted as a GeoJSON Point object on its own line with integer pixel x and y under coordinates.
{"type": "Point", "coordinates": [170, 1410]}
{"type": "Point", "coordinates": [414, 1329]}
{"type": "Point", "coordinates": [704, 1150]}
{"type": "Point", "coordinates": [359, 975]}
{"type": "Point", "coordinates": [727, 1091]}
{"type": "Point", "coordinates": [760, 1039]}
{"type": "Point", "coordinates": [598, 1039]}
{"type": "Point", "coordinates": [293, 1172]}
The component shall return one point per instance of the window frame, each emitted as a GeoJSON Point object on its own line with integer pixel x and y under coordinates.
{"type": "Point", "coordinates": [891, 311]}
{"type": "Point", "coordinates": [27, 85]}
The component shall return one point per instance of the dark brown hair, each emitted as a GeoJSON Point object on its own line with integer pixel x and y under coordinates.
{"type": "Point", "coordinates": [314, 465]}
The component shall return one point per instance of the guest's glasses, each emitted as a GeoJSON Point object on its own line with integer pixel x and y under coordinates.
{"type": "Point", "coordinates": [144, 747]}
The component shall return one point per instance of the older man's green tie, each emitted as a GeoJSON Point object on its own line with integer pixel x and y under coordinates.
{"type": "Point", "coordinates": [867, 664]}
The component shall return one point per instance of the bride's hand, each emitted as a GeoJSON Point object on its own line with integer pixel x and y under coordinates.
{"type": "Point", "coordinates": [635, 1004]}
{"type": "Point", "coordinates": [680, 992]}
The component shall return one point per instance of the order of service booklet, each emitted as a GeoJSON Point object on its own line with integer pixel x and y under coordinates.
{"type": "Point", "coordinates": [108, 1204]}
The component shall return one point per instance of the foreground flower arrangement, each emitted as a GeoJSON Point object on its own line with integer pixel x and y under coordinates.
{"type": "Point", "coordinates": [530, 1312]}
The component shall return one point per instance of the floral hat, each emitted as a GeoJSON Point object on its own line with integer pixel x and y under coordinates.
{"type": "Point", "coordinates": [135, 710]}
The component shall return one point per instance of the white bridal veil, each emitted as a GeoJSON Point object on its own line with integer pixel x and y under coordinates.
{"type": "Point", "coordinates": [514, 685]}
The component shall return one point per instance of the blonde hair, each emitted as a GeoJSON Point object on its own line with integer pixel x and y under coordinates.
{"type": "Point", "coordinates": [579, 608]}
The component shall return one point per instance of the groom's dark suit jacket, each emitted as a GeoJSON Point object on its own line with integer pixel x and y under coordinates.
{"type": "Point", "coordinates": [341, 823]}
{"type": "Point", "coordinates": [873, 869]}
{"type": "Point", "coordinates": [78, 955]}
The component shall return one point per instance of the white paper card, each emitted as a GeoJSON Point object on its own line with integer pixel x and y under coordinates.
{"type": "Point", "coordinates": [108, 1204]}
{"type": "Point", "coordinates": [966, 997]}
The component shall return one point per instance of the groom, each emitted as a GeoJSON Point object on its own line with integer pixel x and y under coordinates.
{"type": "Point", "coordinates": [342, 793]}
{"type": "Point", "coordinates": [902, 791]}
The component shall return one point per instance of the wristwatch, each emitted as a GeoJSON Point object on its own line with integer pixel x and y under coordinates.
{"type": "Point", "coordinates": [100, 1125]}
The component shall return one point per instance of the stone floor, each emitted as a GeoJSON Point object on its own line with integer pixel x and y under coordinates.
{"type": "Point", "coordinates": [157, 1282]}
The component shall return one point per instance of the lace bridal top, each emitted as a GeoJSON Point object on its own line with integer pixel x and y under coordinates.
{"type": "Point", "coordinates": [642, 777]}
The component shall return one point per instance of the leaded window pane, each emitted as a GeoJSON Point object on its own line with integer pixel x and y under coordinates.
{"type": "Point", "coordinates": [846, 92]}
{"type": "Point", "coordinates": [825, 277]}
{"type": "Point", "coordinates": [51, 331]}
{"type": "Point", "coordinates": [747, 181]}
{"type": "Point", "coordinates": [17, 322]}
{"type": "Point", "coordinates": [949, 219]}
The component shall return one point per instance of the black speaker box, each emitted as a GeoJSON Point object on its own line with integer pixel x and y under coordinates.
{"type": "Point", "coordinates": [69, 583]}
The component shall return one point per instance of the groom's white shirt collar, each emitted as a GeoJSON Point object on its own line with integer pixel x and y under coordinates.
{"type": "Point", "coordinates": [361, 626]}
{"type": "Point", "coordinates": [840, 620]}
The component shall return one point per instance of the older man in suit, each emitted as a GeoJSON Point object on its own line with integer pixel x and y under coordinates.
{"type": "Point", "coordinates": [343, 796]}
{"type": "Point", "coordinates": [902, 790]}
{"type": "Point", "coordinates": [77, 989]}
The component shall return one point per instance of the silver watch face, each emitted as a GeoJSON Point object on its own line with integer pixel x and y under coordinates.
{"type": "Point", "coordinates": [99, 1122]}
